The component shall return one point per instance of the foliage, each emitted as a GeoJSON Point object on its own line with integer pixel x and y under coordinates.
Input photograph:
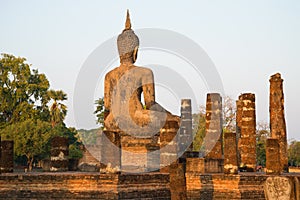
{"type": "Point", "coordinates": [228, 112]}
{"type": "Point", "coordinates": [229, 115]}
{"type": "Point", "coordinates": [58, 110]}
{"type": "Point", "coordinates": [30, 137]}
{"type": "Point", "coordinates": [23, 93]}
{"type": "Point", "coordinates": [25, 115]}
{"type": "Point", "coordinates": [100, 111]}
{"type": "Point", "coordinates": [294, 153]}
{"type": "Point", "coordinates": [198, 130]}
{"type": "Point", "coordinates": [262, 133]}
{"type": "Point", "coordinates": [89, 137]}
{"type": "Point", "coordinates": [75, 151]}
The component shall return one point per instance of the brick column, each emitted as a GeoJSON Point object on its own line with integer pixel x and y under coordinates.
{"type": "Point", "coordinates": [168, 148]}
{"type": "Point", "coordinates": [273, 157]}
{"type": "Point", "coordinates": [239, 112]}
{"type": "Point", "coordinates": [59, 154]}
{"type": "Point", "coordinates": [186, 133]}
{"type": "Point", "coordinates": [214, 133]}
{"type": "Point", "coordinates": [230, 154]}
{"type": "Point", "coordinates": [7, 156]}
{"type": "Point", "coordinates": [277, 119]}
{"type": "Point", "coordinates": [247, 141]}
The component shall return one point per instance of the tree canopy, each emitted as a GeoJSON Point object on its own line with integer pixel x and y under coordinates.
{"type": "Point", "coordinates": [30, 113]}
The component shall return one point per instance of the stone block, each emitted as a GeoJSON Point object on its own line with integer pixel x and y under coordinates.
{"type": "Point", "coordinates": [273, 165]}
{"type": "Point", "coordinates": [230, 154]}
{"type": "Point", "coordinates": [7, 156]}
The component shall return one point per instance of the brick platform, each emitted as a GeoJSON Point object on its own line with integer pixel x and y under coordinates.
{"type": "Point", "coordinates": [66, 185]}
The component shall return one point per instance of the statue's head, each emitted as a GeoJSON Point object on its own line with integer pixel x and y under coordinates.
{"type": "Point", "coordinates": [128, 43]}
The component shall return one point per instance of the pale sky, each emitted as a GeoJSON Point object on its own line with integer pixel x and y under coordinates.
{"type": "Point", "coordinates": [246, 40]}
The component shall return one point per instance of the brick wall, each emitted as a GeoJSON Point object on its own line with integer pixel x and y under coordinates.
{"type": "Point", "coordinates": [84, 186]}
{"type": "Point", "coordinates": [68, 185]}
{"type": "Point", "coordinates": [220, 186]}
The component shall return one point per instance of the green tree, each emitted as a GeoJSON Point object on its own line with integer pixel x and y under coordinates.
{"type": "Point", "coordinates": [294, 153]}
{"type": "Point", "coordinates": [198, 129]}
{"type": "Point", "coordinates": [30, 138]}
{"type": "Point", "coordinates": [23, 93]}
{"type": "Point", "coordinates": [25, 115]}
{"type": "Point", "coordinates": [58, 110]}
{"type": "Point", "coordinates": [262, 133]}
{"type": "Point", "coordinates": [100, 111]}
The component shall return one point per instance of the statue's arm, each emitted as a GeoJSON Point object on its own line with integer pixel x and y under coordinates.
{"type": "Point", "coordinates": [148, 88]}
{"type": "Point", "coordinates": [107, 94]}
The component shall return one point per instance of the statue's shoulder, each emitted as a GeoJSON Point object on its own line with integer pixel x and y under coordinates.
{"type": "Point", "coordinates": [111, 73]}
{"type": "Point", "coordinates": [144, 70]}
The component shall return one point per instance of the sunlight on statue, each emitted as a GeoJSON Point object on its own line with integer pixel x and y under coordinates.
{"type": "Point", "coordinates": [124, 87]}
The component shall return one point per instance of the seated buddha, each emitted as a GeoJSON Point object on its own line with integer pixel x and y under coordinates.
{"type": "Point", "coordinates": [124, 88]}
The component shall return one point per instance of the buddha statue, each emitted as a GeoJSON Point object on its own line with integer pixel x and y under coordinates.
{"type": "Point", "coordinates": [123, 90]}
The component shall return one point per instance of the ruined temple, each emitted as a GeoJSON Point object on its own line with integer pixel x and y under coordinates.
{"type": "Point", "coordinates": [144, 138]}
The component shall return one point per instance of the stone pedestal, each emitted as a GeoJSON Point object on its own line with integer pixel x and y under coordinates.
{"type": "Point", "coordinates": [214, 133]}
{"type": "Point", "coordinates": [59, 154]}
{"type": "Point", "coordinates": [111, 151]}
{"type": "Point", "coordinates": [230, 154]}
{"type": "Point", "coordinates": [247, 140]}
{"type": "Point", "coordinates": [204, 165]}
{"type": "Point", "coordinates": [186, 133]}
{"type": "Point", "coordinates": [139, 154]}
{"type": "Point", "coordinates": [7, 156]}
{"type": "Point", "coordinates": [273, 165]}
{"type": "Point", "coordinates": [277, 119]}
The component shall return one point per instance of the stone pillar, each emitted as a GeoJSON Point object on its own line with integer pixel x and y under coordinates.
{"type": "Point", "coordinates": [277, 119]}
{"type": "Point", "coordinates": [214, 134]}
{"type": "Point", "coordinates": [239, 112]}
{"type": "Point", "coordinates": [59, 154]}
{"type": "Point", "coordinates": [168, 145]}
{"type": "Point", "coordinates": [273, 157]}
{"type": "Point", "coordinates": [111, 151]}
{"type": "Point", "coordinates": [186, 132]}
{"type": "Point", "coordinates": [247, 141]}
{"type": "Point", "coordinates": [230, 154]}
{"type": "Point", "coordinates": [7, 156]}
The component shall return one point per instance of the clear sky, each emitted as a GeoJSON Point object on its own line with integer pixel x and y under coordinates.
{"type": "Point", "coordinates": [247, 40]}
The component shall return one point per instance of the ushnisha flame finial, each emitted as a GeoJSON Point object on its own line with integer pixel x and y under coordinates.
{"type": "Point", "coordinates": [127, 23]}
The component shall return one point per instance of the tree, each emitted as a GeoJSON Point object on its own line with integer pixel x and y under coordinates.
{"type": "Point", "coordinates": [23, 93]}
{"type": "Point", "coordinates": [30, 138]}
{"type": "Point", "coordinates": [198, 128]}
{"type": "Point", "coordinates": [262, 133]}
{"type": "Point", "coordinates": [229, 115]}
{"type": "Point", "coordinates": [25, 115]}
{"type": "Point", "coordinates": [294, 153]}
{"type": "Point", "coordinates": [100, 111]}
{"type": "Point", "coordinates": [58, 110]}
{"type": "Point", "coordinates": [229, 125]}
